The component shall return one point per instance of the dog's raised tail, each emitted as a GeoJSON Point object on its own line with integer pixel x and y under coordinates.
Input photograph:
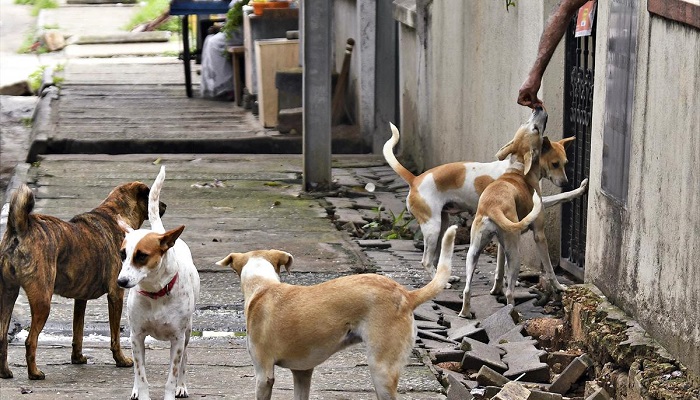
{"type": "Point", "coordinates": [390, 158]}
{"type": "Point", "coordinates": [504, 223]}
{"type": "Point", "coordinates": [442, 275]}
{"type": "Point", "coordinates": [154, 202]}
{"type": "Point", "coordinates": [21, 204]}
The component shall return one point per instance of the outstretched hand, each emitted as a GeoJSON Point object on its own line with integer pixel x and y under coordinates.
{"type": "Point", "coordinates": [527, 95]}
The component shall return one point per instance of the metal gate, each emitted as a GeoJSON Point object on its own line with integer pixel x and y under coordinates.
{"type": "Point", "coordinates": [578, 104]}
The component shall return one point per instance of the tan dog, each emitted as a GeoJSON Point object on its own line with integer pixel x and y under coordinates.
{"type": "Point", "coordinates": [77, 259]}
{"type": "Point", "coordinates": [456, 187]}
{"type": "Point", "coordinates": [299, 327]}
{"type": "Point", "coordinates": [510, 197]}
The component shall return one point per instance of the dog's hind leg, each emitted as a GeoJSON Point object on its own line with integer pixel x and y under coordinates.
{"type": "Point", "coordinates": [8, 297]}
{"type": "Point", "coordinates": [511, 244]}
{"type": "Point", "coordinates": [264, 379]}
{"type": "Point", "coordinates": [77, 356]}
{"type": "Point", "coordinates": [115, 303]}
{"type": "Point", "coordinates": [431, 236]}
{"type": "Point", "coordinates": [480, 237]}
{"type": "Point", "coordinates": [40, 306]}
{"type": "Point", "coordinates": [302, 383]}
{"type": "Point", "coordinates": [500, 268]}
{"type": "Point", "coordinates": [138, 349]}
{"type": "Point", "coordinates": [387, 354]}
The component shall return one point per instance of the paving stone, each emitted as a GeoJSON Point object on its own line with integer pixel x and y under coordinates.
{"type": "Point", "coordinates": [600, 394]}
{"type": "Point", "coordinates": [500, 322]}
{"type": "Point", "coordinates": [434, 336]}
{"type": "Point", "coordinates": [524, 358]}
{"type": "Point", "coordinates": [513, 335]}
{"type": "Point", "coordinates": [470, 328]}
{"type": "Point", "coordinates": [404, 245]}
{"type": "Point", "coordinates": [426, 313]}
{"type": "Point", "coordinates": [365, 203]}
{"type": "Point", "coordinates": [446, 355]}
{"type": "Point", "coordinates": [540, 395]}
{"type": "Point", "coordinates": [478, 354]}
{"type": "Point", "coordinates": [530, 310]}
{"type": "Point", "coordinates": [456, 390]}
{"type": "Point", "coordinates": [430, 326]}
{"type": "Point", "coordinates": [375, 243]}
{"type": "Point", "coordinates": [485, 305]}
{"type": "Point", "coordinates": [344, 215]}
{"type": "Point", "coordinates": [436, 345]}
{"type": "Point", "coordinates": [558, 360]}
{"type": "Point", "coordinates": [513, 391]}
{"type": "Point", "coordinates": [488, 377]}
{"type": "Point", "coordinates": [450, 299]}
{"type": "Point", "coordinates": [562, 383]}
{"type": "Point", "coordinates": [339, 202]}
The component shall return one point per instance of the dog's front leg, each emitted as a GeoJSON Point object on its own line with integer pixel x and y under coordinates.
{"type": "Point", "coordinates": [138, 350]}
{"type": "Point", "coordinates": [8, 296]}
{"type": "Point", "coordinates": [177, 348]}
{"type": "Point", "coordinates": [543, 251]}
{"type": "Point", "coordinates": [181, 388]}
{"type": "Point", "coordinates": [302, 383]}
{"type": "Point", "coordinates": [115, 303]}
{"type": "Point", "coordinates": [77, 356]}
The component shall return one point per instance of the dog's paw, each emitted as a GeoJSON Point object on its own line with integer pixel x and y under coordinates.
{"type": "Point", "coordinates": [124, 362]}
{"type": "Point", "coordinates": [36, 376]}
{"type": "Point", "coordinates": [6, 374]}
{"type": "Point", "coordinates": [559, 287]}
{"type": "Point", "coordinates": [584, 184]}
{"type": "Point", "coordinates": [469, 315]}
{"type": "Point", "coordinates": [181, 392]}
{"type": "Point", "coordinates": [454, 278]}
{"type": "Point", "coordinates": [79, 359]}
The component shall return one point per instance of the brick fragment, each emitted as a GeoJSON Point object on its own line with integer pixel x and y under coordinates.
{"type": "Point", "coordinates": [513, 391]}
{"type": "Point", "coordinates": [478, 354]}
{"type": "Point", "coordinates": [456, 390]}
{"type": "Point", "coordinates": [488, 377]}
{"type": "Point", "coordinates": [571, 374]}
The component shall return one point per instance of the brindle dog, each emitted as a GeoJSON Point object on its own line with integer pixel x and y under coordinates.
{"type": "Point", "coordinates": [78, 259]}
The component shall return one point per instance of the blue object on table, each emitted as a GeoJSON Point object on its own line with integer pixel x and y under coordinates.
{"type": "Point", "coordinates": [193, 7]}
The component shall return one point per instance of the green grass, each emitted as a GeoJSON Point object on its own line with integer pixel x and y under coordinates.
{"type": "Point", "coordinates": [150, 11]}
{"type": "Point", "coordinates": [37, 5]}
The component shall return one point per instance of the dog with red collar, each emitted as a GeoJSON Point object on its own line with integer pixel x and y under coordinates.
{"type": "Point", "coordinates": [157, 266]}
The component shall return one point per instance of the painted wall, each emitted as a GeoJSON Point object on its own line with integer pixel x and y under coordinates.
{"type": "Point", "coordinates": [461, 65]}
{"type": "Point", "coordinates": [643, 252]}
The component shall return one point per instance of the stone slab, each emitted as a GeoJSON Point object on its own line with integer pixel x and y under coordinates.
{"type": "Point", "coordinates": [457, 390]}
{"type": "Point", "coordinates": [562, 383]}
{"type": "Point", "coordinates": [478, 354]}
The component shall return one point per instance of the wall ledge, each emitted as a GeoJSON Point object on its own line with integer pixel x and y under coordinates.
{"type": "Point", "coordinates": [405, 12]}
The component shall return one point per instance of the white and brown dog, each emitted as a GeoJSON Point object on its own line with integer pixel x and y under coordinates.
{"type": "Point", "coordinates": [164, 283]}
{"type": "Point", "coordinates": [299, 327]}
{"type": "Point", "coordinates": [457, 186]}
{"type": "Point", "coordinates": [510, 197]}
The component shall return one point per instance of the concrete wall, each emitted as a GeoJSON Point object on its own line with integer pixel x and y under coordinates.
{"type": "Point", "coordinates": [643, 252]}
{"type": "Point", "coordinates": [461, 65]}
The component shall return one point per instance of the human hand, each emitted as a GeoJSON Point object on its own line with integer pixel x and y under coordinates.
{"type": "Point", "coordinates": [527, 95]}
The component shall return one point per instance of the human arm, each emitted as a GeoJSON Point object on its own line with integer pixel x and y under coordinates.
{"type": "Point", "coordinates": [553, 32]}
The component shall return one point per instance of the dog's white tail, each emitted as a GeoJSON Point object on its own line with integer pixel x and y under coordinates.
{"type": "Point", "coordinates": [442, 275]}
{"type": "Point", "coordinates": [504, 223]}
{"type": "Point", "coordinates": [390, 158]}
{"type": "Point", "coordinates": [154, 202]}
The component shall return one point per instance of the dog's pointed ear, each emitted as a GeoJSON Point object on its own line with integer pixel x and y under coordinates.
{"type": "Point", "coordinates": [546, 145]}
{"type": "Point", "coordinates": [234, 260]}
{"type": "Point", "coordinates": [566, 142]}
{"type": "Point", "coordinates": [124, 225]}
{"type": "Point", "coordinates": [528, 161]}
{"type": "Point", "coordinates": [279, 259]}
{"type": "Point", "coordinates": [168, 239]}
{"type": "Point", "coordinates": [505, 151]}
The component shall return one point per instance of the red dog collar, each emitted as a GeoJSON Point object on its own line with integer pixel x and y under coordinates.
{"type": "Point", "coordinates": [162, 292]}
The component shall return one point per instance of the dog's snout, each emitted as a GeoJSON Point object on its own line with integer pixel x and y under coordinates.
{"type": "Point", "coordinates": [123, 282]}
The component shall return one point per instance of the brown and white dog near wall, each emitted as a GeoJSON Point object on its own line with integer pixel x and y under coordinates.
{"type": "Point", "coordinates": [457, 186]}
{"type": "Point", "coordinates": [77, 259]}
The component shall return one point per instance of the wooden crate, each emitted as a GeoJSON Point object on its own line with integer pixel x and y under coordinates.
{"type": "Point", "coordinates": [272, 55]}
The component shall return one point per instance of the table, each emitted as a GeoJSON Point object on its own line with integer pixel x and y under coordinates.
{"type": "Point", "coordinates": [185, 8]}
